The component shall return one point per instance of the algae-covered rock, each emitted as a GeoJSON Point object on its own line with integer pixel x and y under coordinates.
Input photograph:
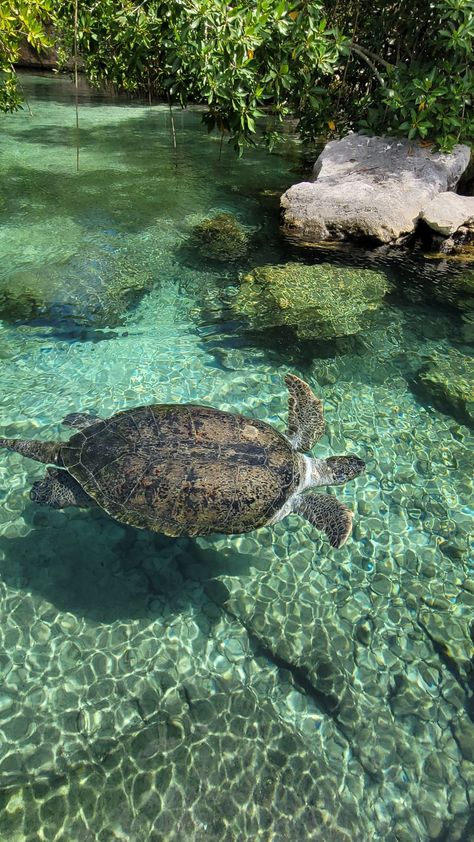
{"type": "Point", "coordinates": [53, 271]}
{"type": "Point", "coordinates": [118, 291]}
{"type": "Point", "coordinates": [91, 293]}
{"type": "Point", "coordinates": [450, 381]}
{"type": "Point", "coordinates": [220, 237]}
{"type": "Point", "coordinates": [21, 299]}
{"type": "Point", "coordinates": [318, 302]}
{"type": "Point", "coordinates": [460, 245]}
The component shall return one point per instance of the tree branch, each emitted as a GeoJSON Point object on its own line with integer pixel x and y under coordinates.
{"type": "Point", "coordinates": [367, 60]}
{"type": "Point", "coordinates": [370, 54]}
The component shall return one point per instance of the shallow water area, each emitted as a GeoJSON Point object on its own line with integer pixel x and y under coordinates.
{"type": "Point", "coordinates": [261, 686]}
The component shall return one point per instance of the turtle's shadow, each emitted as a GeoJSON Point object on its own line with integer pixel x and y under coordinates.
{"type": "Point", "coordinates": [88, 564]}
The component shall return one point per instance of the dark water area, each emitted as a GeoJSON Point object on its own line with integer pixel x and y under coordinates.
{"type": "Point", "coordinates": [253, 687]}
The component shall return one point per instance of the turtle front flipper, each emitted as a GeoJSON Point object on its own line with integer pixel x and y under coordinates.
{"type": "Point", "coordinates": [59, 489]}
{"type": "Point", "coordinates": [40, 451]}
{"type": "Point", "coordinates": [79, 420]}
{"type": "Point", "coordinates": [326, 513]}
{"type": "Point", "coordinates": [305, 414]}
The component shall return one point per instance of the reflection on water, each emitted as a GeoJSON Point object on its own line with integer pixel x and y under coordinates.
{"type": "Point", "coordinates": [228, 688]}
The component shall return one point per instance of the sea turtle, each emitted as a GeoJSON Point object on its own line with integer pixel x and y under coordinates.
{"type": "Point", "coordinates": [184, 469]}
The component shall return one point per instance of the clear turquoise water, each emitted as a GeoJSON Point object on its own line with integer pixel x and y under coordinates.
{"type": "Point", "coordinates": [229, 688]}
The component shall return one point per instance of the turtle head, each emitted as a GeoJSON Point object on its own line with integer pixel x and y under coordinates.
{"type": "Point", "coordinates": [336, 470]}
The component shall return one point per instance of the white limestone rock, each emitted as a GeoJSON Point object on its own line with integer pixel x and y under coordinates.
{"type": "Point", "coordinates": [369, 187]}
{"type": "Point", "coordinates": [448, 211]}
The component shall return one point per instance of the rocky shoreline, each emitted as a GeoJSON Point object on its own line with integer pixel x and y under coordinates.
{"type": "Point", "coordinates": [379, 190]}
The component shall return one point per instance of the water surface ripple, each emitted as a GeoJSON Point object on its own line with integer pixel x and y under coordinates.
{"type": "Point", "coordinates": [225, 688]}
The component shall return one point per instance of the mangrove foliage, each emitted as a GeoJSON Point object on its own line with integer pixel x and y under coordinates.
{"type": "Point", "coordinates": [381, 67]}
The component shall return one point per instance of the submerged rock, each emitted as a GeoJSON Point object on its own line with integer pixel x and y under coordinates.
{"type": "Point", "coordinates": [220, 237]}
{"type": "Point", "coordinates": [95, 293]}
{"type": "Point", "coordinates": [464, 733]}
{"type": "Point", "coordinates": [53, 271]}
{"type": "Point", "coordinates": [458, 292]}
{"type": "Point", "coordinates": [450, 381]}
{"type": "Point", "coordinates": [318, 302]}
{"type": "Point", "coordinates": [369, 188]}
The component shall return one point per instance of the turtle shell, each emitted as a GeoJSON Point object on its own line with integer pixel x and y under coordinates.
{"type": "Point", "coordinates": [183, 469]}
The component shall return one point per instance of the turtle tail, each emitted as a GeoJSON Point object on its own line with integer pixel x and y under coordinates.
{"type": "Point", "coordinates": [40, 451]}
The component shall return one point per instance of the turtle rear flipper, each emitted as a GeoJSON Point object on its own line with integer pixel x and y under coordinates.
{"type": "Point", "coordinates": [326, 513]}
{"type": "Point", "coordinates": [40, 451]}
{"type": "Point", "coordinates": [79, 420]}
{"type": "Point", "coordinates": [305, 414]}
{"type": "Point", "coordinates": [59, 489]}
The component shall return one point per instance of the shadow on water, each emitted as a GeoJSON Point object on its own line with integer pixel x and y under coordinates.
{"type": "Point", "coordinates": [67, 332]}
{"type": "Point", "coordinates": [114, 190]}
{"type": "Point", "coordinates": [86, 563]}
{"type": "Point", "coordinates": [396, 342]}
{"type": "Point", "coordinates": [126, 152]}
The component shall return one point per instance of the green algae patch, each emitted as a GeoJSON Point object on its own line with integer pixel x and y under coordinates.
{"type": "Point", "coordinates": [318, 302]}
{"type": "Point", "coordinates": [450, 380]}
{"type": "Point", "coordinates": [220, 237]}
